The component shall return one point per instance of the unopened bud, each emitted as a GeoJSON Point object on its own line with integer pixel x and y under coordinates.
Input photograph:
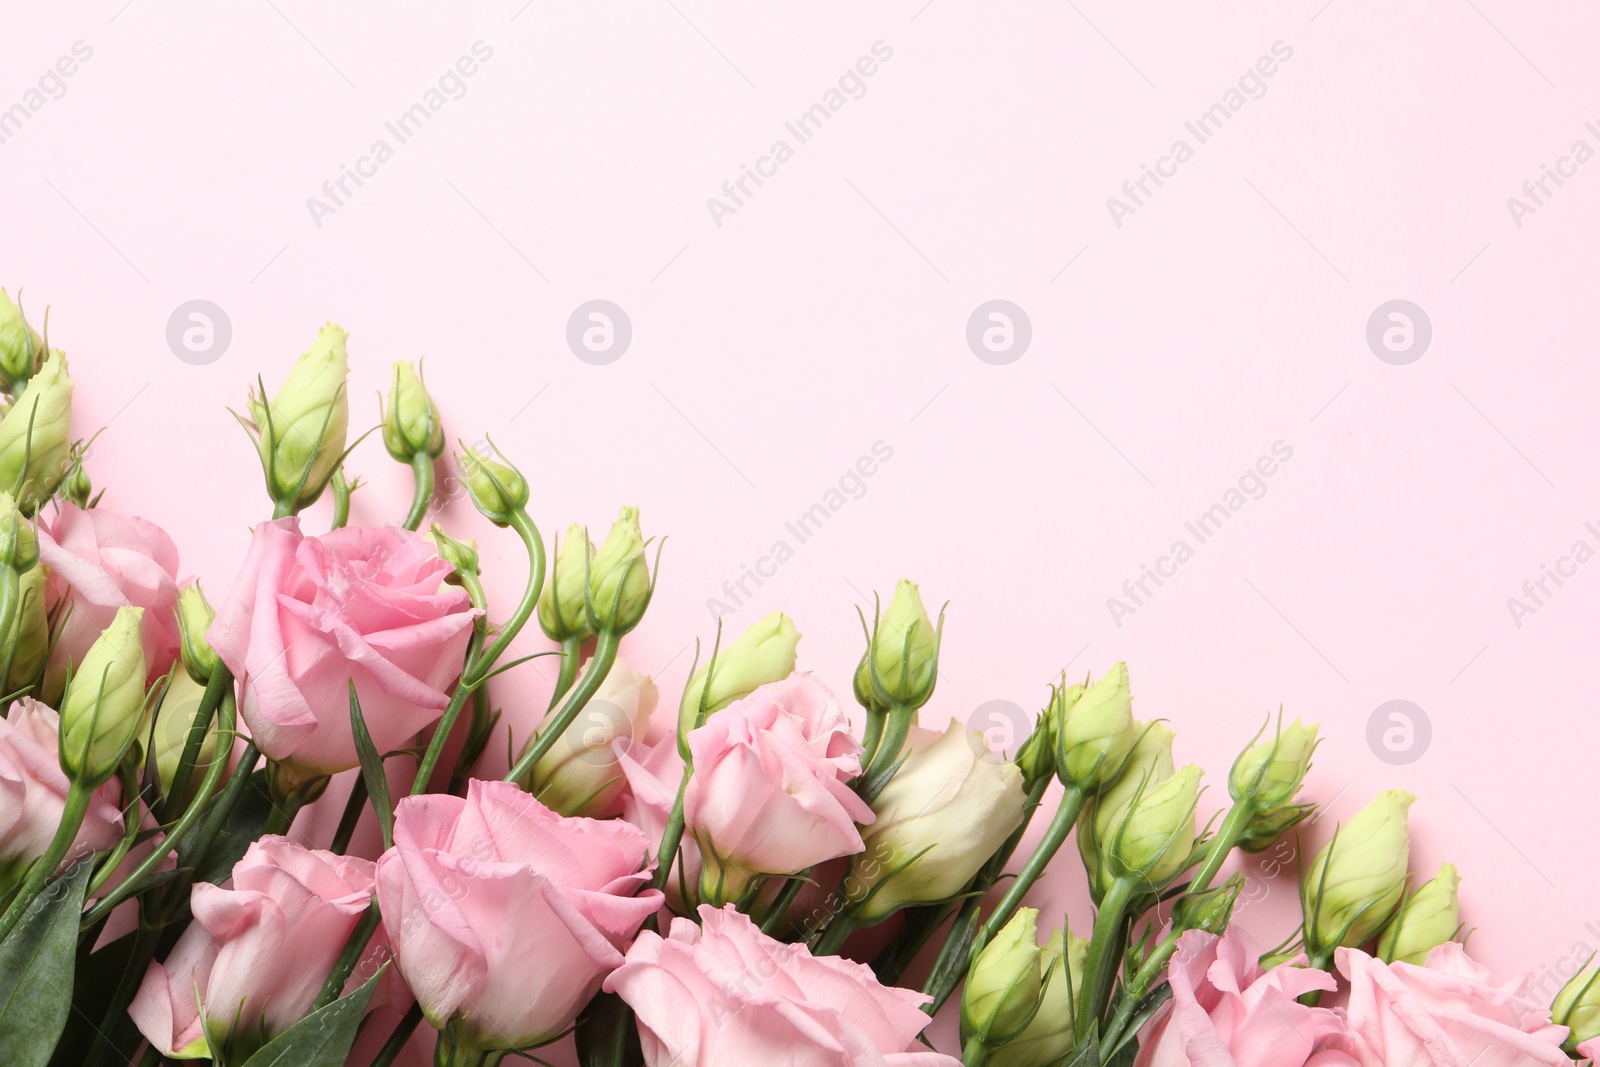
{"type": "Point", "coordinates": [411, 423]}
{"type": "Point", "coordinates": [104, 704]}
{"type": "Point", "coordinates": [497, 489]}
{"type": "Point", "coordinates": [619, 578]}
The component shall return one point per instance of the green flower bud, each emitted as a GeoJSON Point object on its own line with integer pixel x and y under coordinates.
{"type": "Point", "coordinates": [1036, 759]}
{"type": "Point", "coordinates": [1268, 774]}
{"type": "Point", "coordinates": [1265, 827]}
{"type": "Point", "coordinates": [764, 653]}
{"type": "Point", "coordinates": [174, 719]}
{"type": "Point", "coordinates": [104, 704]}
{"type": "Point", "coordinates": [28, 640]}
{"type": "Point", "coordinates": [19, 545]}
{"type": "Point", "coordinates": [77, 487]}
{"type": "Point", "coordinates": [21, 347]}
{"type": "Point", "coordinates": [411, 423]}
{"type": "Point", "coordinates": [497, 489]}
{"type": "Point", "coordinates": [1003, 983]}
{"type": "Point", "coordinates": [1577, 1007]}
{"type": "Point", "coordinates": [35, 436]}
{"type": "Point", "coordinates": [301, 433]}
{"type": "Point", "coordinates": [1048, 1038]}
{"type": "Point", "coordinates": [619, 579]}
{"type": "Point", "coordinates": [462, 555]}
{"type": "Point", "coordinates": [936, 823]}
{"type": "Point", "coordinates": [905, 651]}
{"type": "Point", "coordinates": [561, 603]}
{"type": "Point", "coordinates": [1151, 840]}
{"type": "Point", "coordinates": [1426, 919]}
{"type": "Point", "coordinates": [1094, 730]}
{"type": "Point", "coordinates": [194, 619]}
{"type": "Point", "coordinates": [1209, 909]}
{"type": "Point", "coordinates": [1354, 884]}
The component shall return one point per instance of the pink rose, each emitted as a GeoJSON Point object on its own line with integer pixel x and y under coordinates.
{"type": "Point", "coordinates": [1445, 1012]}
{"type": "Point", "coordinates": [723, 993]}
{"type": "Point", "coordinates": [258, 952]}
{"type": "Point", "coordinates": [503, 915]}
{"type": "Point", "coordinates": [308, 614]}
{"type": "Point", "coordinates": [769, 792]}
{"type": "Point", "coordinates": [1226, 1011]}
{"type": "Point", "coordinates": [100, 561]}
{"type": "Point", "coordinates": [33, 794]}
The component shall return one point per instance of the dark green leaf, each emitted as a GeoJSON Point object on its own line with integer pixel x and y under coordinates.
{"type": "Point", "coordinates": [321, 1039]}
{"type": "Point", "coordinates": [36, 964]}
{"type": "Point", "coordinates": [246, 822]}
{"type": "Point", "coordinates": [607, 1036]}
{"type": "Point", "coordinates": [94, 984]}
{"type": "Point", "coordinates": [372, 769]}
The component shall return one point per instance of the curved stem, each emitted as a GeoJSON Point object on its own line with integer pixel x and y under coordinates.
{"type": "Point", "coordinates": [44, 868]}
{"type": "Point", "coordinates": [1229, 833]}
{"type": "Point", "coordinates": [571, 653]}
{"type": "Point", "coordinates": [605, 654]}
{"type": "Point", "coordinates": [478, 670]}
{"type": "Point", "coordinates": [422, 494]}
{"type": "Point", "coordinates": [1100, 964]}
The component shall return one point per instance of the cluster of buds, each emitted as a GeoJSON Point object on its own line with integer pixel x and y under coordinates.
{"type": "Point", "coordinates": [300, 433]}
{"type": "Point", "coordinates": [901, 664]}
{"type": "Point", "coordinates": [1020, 998]}
{"type": "Point", "coordinates": [1352, 888]}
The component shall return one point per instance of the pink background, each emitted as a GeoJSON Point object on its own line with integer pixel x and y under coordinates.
{"type": "Point", "coordinates": [828, 312]}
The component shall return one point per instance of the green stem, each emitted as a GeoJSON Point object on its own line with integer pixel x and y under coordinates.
{"type": "Point", "coordinates": [571, 653]}
{"type": "Point", "coordinates": [671, 836]}
{"type": "Point", "coordinates": [353, 810]}
{"type": "Point", "coordinates": [886, 757]}
{"type": "Point", "coordinates": [44, 868]}
{"type": "Point", "coordinates": [422, 495]}
{"type": "Point", "coordinates": [130, 830]}
{"type": "Point", "coordinates": [1105, 947]}
{"type": "Point", "coordinates": [478, 670]}
{"type": "Point", "coordinates": [1229, 834]}
{"type": "Point", "coordinates": [1060, 826]}
{"type": "Point", "coordinates": [605, 654]}
{"type": "Point", "coordinates": [873, 734]}
{"type": "Point", "coordinates": [773, 923]}
{"type": "Point", "coordinates": [962, 941]}
{"type": "Point", "coordinates": [834, 935]}
{"type": "Point", "coordinates": [974, 1053]}
{"type": "Point", "coordinates": [220, 682]}
{"type": "Point", "coordinates": [283, 509]}
{"type": "Point", "coordinates": [397, 1041]}
{"type": "Point", "coordinates": [441, 734]}
{"type": "Point", "coordinates": [1141, 983]}
{"type": "Point", "coordinates": [355, 945]}
{"type": "Point", "coordinates": [133, 971]}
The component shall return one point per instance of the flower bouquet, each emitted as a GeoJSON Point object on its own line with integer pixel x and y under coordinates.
{"type": "Point", "coordinates": [753, 882]}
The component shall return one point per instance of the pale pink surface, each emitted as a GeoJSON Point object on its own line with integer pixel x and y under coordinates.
{"type": "Point", "coordinates": [1376, 566]}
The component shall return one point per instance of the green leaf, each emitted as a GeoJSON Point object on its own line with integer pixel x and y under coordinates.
{"type": "Point", "coordinates": [321, 1039]}
{"type": "Point", "coordinates": [94, 984]}
{"type": "Point", "coordinates": [246, 822]}
{"type": "Point", "coordinates": [372, 769]}
{"type": "Point", "coordinates": [37, 961]}
{"type": "Point", "coordinates": [606, 1036]}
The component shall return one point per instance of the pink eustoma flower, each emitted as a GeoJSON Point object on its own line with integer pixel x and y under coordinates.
{"type": "Point", "coordinates": [1444, 1012]}
{"type": "Point", "coordinates": [257, 953]}
{"type": "Point", "coordinates": [721, 993]}
{"type": "Point", "coordinates": [1226, 1011]}
{"type": "Point", "coordinates": [309, 614]}
{"type": "Point", "coordinates": [504, 916]}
